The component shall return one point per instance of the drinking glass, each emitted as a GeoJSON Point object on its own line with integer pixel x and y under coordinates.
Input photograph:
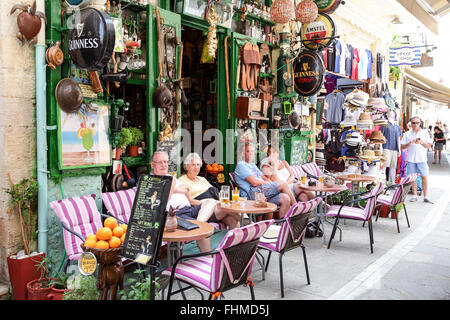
{"type": "Point", "coordinates": [303, 179]}
{"type": "Point", "coordinates": [259, 197]}
{"type": "Point", "coordinates": [235, 195]}
{"type": "Point", "coordinates": [321, 180]}
{"type": "Point", "coordinates": [242, 201]}
{"type": "Point", "coordinates": [224, 197]}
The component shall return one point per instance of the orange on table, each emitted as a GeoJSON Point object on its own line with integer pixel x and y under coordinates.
{"type": "Point", "coordinates": [114, 242]}
{"type": "Point", "coordinates": [118, 232]}
{"type": "Point", "coordinates": [90, 243]}
{"type": "Point", "coordinates": [110, 223]}
{"type": "Point", "coordinates": [124, 227]}
{"type": "Point", "coordinates": [104, 234]}
{"type": "Point", "coordinates": [102, 244]}
{"type": "Point", "coordinates": [92, 237]}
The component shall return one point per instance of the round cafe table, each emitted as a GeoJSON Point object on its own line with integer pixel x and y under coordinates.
{"type": "Point", "coordinates": [321, 191]}
{"type": "Point", "coordinates": [248, 207]}
{"type": "Point", "coordinates": [356, 180]}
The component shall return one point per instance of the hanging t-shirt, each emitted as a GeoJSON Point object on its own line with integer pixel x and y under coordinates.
{"type": "Point", "coordinates": [364, 62]}
{"type": "Point", "coordinates": [361, 64]}
{"type": "Point", "coordinates": [337, 58]}
{"type": "Point", "coordinates": [355, 62]}
{"type": "Point", "coordinates": [335, 111]}
{"type": "Point", "coordinates": [349, 61]}
{"type": "Point", "coordinates": [392, 133]}
{"type": "Point", "coordinates": [369, 64]}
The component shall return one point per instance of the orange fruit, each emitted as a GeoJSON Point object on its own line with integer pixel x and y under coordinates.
{"type": "Point", "coordinates": [90, 243]}
{"type": "Point", "coordinates": [220, 167]}
{"type": "Point", "coordinates": [124, 227]}
{"type": "Point", "coordinates": [114, 242]}
{"type": "Point", "coordinates": [104, 234]}
{"type": "Point", "coordinates": [122, 238]}
{"type": "Point", "coordinates": [208, 167]}
{"type": "Point", "coordinates": [92, 237]}
{"type": "Point", "coordinates": [102, 245]}
{"type": "Point", "coordinates": [110, 223]}
{"type": "Point", "coordinates": [117, 232]}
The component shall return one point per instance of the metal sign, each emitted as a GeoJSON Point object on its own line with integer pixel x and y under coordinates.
{"type": "Point", "coordinates": [87, 263]}
{"type": "Point", "coordinates": [327, 6]}
{"type": "Point", "coordinates": [322, 29]}
{"type": "Point", "coordinates": [309, 73]}
{"type": "Point", "coordinates": [91, 38]}
{"type": "Point", "coordinates": [404, 56]}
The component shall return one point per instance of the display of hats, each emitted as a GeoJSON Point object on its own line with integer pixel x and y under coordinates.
{"type": "Point", "coordinates": [365, 119]}
{"type": "Point", "coordinates": [377, 137]}
{"type": "Point", "coordinates": [306, 11]}
{"type": "Point", "coordinates": [282, 11]}
{"type": "Point", "coordinates": [320, 158]}
{"type": "Point", "coordinates": [380, 122]}
{"type": "Point", "coordinates": [369, 155]}
{"type": "Point", "coordinates": [378, 104]}
{"type": "Point", "coordinates": [68, 95]}
{"type": "Point", "coordinates": [354, 140]}
{"type": "Point", "coordinates": [349, 120]}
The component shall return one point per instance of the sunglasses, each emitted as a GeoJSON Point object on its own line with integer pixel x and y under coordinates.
{"type": "Point", "coordinates": [415, 122]}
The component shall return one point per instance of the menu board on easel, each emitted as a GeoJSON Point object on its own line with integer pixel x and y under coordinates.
{"type": "Point", "coordinates": [171, 147]}
{"type": "Point", "coordinates": [148, 216]}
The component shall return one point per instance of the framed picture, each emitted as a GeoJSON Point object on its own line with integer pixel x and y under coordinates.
{"type": "Point", "coordinates": [83, 137]}
{"type": "Point", "coordinates": [225, 12]}
{"type": "Point", "coordinates": [195, 8]}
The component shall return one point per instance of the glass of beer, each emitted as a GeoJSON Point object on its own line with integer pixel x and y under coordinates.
{"type": "Point", "coordinates": [303, 179]}
{"type": "Point", "coordinates": [321, 180]}
{"type": "Point", "coordinates": [224, 197]}
{"type": "Point", "coordinates": [235, 195]}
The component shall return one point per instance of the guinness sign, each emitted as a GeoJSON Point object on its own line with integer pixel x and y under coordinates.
{"type": "Point", "coordinates": [327, 6]}
{"type": "Point", "coordinates": [309, 72]}
{"type": "Point", "coordinates": [91, 38]}
{"type": "Point", "coordinates": [322, 27]}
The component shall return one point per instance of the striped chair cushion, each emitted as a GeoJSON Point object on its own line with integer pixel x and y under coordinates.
{"type": "Point", "coordinates": [196, 271]}
{"type": "Point", "coordinates": [295, 210]}
{"type": "Point", "coordinates": [311, 168]}
{"type": "Point", "coordinates": [120, 203]}
{"type": "Point", "coordinates": [298, 171]}
{"type": "Point", "coordinates": [387, 199]}
{"type": "Point", "coordinates": [81, 215]}
{"type": "Point", "coordinates": [219, 225]}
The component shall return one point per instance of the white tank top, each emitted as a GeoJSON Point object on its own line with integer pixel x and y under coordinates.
{"type": "Point", "coordinates": [283, 174]}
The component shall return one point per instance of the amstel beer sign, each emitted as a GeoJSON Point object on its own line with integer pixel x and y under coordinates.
{"type": "Point", "coordinates": [322, 27]}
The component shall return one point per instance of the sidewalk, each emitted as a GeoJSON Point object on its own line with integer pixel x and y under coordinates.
{"type": "Point", "coordinates": [413, 264]}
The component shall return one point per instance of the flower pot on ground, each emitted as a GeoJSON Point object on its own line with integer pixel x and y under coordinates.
{"type": "Point", "coordinates": [136, 137]}
{"type": "Point", "coordinates": [125, 137]}
{"type": "Point", "coordinates": [37, 291]}
{"type": "Point", "coordinates": [46, 287]}
{"type": "Point", "coordinates": [22, 268]}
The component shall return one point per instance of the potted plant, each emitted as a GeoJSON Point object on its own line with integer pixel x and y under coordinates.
{"type": "Point", "coordinates": [136, 137]}
{"type": "Point", "coordinates": [139, 289]}
{"type": "Point", "coordinates": [22, 266]}
{"type": "Point", "coordinates": [59, 286]}
{"type": "Point", "coordinates": [81, 288]}
{"type": "Point", "coordinates": [47, 287]}
{"type": "Point", "coordinates": [124, 140]}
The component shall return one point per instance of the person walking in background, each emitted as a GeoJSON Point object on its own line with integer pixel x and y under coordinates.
{"type": "Point", "coordinates": [439, 142]}
{"type": "Point", "coordinates": [417, 141]}
{"type": "Point", "coordinates": [445, 136]}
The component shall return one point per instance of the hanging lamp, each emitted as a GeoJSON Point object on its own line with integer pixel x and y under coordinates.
{"type": "Point", "coordinates": [306, 11]}
{"type": "Point", "coordinates": [282, 11]}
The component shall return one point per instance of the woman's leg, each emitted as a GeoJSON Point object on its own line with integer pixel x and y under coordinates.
{"type": "Point", "coordinates": [283, 187]}
{"type": "Point", "coordinates": [435, 155]}
{"type": "Point", "coordinates": [440, 155]}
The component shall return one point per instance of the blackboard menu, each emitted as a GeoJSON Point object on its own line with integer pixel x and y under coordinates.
{"type": "Point", "coordinates": [148, 217]}
{"type": "Point", "coordinates": [171, 147]}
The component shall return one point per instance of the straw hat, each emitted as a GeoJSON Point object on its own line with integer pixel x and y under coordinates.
{"type": "Point", "coordinates": [369, 155]}
{"type": "Point", "coordinates": [380, 122]}
{"type": "Point", "coordinates": [378, 104]}
{"type": "Point", "coordinates": [364, 120]}
{"type": "Point", "coordinates": [377, 136]}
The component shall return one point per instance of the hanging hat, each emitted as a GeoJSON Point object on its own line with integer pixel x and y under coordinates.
{"type": "Point", "coordinates": [68, 95]}
{"type": "Point", "coordinates": [364, 118]}
{"type": "Point", "coordinates": [378, 104]}
{"type": "Point", "coordinates": [368, 155]}
{"type": "Point", "coordinates": [380, 122]}
{"type": "Point", "coordinates": [377, 137]}
{"type": "Point", "coordinates": [349, 120]}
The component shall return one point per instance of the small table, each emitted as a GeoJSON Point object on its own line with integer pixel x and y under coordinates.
{"type": "Point", "coordinates": [248, 207]}
{"type": "Point", "coordinates": [356, 180]}
{"type": "Point", "coordinates": [321, 191]}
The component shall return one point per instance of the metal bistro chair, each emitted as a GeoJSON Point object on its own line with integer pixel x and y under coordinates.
{"type": "Point", "coordinates": [354, 213]}
{"type": "Point", "coordinates": [226, 267]}
{"type": "Point", "coordinates": [120, 203]}
{"type": "Point", "coordinates": [291, 235]}
{"type": "Point", "coordinates": [401, 191]}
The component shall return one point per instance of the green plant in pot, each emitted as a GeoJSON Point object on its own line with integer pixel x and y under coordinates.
{"type": "Point", "coordinates": [82, 288]}
{"type": "Point", "coordinates": [138, 289]}
{"type": "Point", "coordinates": [125, 138]}
{"type": "Point", "coordinates": [137, 137]}
{"type": "Point", "coordinates": [47, 287]}
{"type": "Point", "coordinates": [22, 268]}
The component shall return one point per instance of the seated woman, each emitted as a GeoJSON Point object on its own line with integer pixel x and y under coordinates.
{"type": "Point", "coordinates": [203, 192]}
{"type": "Point", "coordinates": [275, 169]}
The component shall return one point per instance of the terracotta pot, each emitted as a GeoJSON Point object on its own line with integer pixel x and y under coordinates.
{"type": "Point", "coordinates": [171, 223]}
{"type": "Point", "coordinates": [22, 271]}
{"type": "Point", "coordinates": [133, 151]}
{"type": "Point", "coordinates": [36, 292]}
{"type": "Point", "coordinates": [56, 294]}
{"type": "Point", "coordinates": [118, 153]}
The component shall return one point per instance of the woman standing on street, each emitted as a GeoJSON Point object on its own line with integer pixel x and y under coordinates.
{"type": "Point", "coordinates": [439, 142]}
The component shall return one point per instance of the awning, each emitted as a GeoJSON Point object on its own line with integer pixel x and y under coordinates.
{"type": "Point", "coordinates": [425, 88]}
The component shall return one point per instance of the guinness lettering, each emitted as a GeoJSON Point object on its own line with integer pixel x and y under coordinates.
{"type": "Point", "coordinates": [91, 39]}
{"type": "Point", "coordinates": [91, 43]}
{"type": "Point", "coordinates": [308, 73]}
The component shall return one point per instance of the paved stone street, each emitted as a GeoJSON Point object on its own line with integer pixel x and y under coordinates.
{"type": "Point", "coordinates": [413, 264]}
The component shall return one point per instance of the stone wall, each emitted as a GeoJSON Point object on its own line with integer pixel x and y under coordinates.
{"type": "Point", "coordinates": [17, 125]}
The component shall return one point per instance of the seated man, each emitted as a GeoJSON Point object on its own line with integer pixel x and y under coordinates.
{"type": "Point", "coordinates": [250, 179]}
{"type": "Point", "coordinates": [188, 207]}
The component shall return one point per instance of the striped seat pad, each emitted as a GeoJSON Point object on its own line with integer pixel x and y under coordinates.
{"type": "Point", "coordinates": [311, 168]}
{"type": "Point", "coordinates": [120, 203]}
{"type": "Point", "coordinates": [386, 199]}
{"type": "Point", "coordinates": [196, 271]}
{"type": "Point", "coordinates": [297, 171]}
{"type": "Point", "coordinates": [81, 215]}
{"type": "Point", "coordinates": [347, 212]}
{"type": "Point", "coordinates": [218, 225]}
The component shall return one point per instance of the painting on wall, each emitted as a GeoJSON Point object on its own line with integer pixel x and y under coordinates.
{"type": "Point", "coordinates": [84, 137]}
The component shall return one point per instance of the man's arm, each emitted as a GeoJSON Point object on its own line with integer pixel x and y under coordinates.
{"type": "Point", "coordinates": [255, 181]}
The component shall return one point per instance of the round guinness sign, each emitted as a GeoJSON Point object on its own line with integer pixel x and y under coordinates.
{"type": "Point", "coordinates": [91, 38]}
{"type": "Point", "coordinates": [309, 73]}
{"type": "Point", "coordinates": [327, 6]}
{"type": "Point", "coordinates": [322, 27]}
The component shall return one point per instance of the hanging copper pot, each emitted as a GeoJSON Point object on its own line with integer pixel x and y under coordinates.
{"type": "Point", "coordinates": [54, 56]}
{"type": "Point", "coordinates": [68, 95]}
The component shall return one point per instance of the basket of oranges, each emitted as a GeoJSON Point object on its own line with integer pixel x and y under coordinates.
{"type": "Point", "coordinates": [106, 243]}
{"type": "Point", "coordinates": [214, 168]}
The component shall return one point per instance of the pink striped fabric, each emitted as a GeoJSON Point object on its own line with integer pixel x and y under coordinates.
{"type": "Point", "coordinates": [311, 168]}
{"type": "Point", "coordinates": [81, 215]}
{"type": "Point", "coordinates": [395, 198]}
{"type": "Point", "coordinates": [205, 272]}
{"type": "Point", "coordinates": [298, 171]}
{"type": "Point", "coordinates": [357, 213]}
{"type": "Point", "coordinates": [285, 230]}
{"type": "Point", "coordinates": [120, 203]}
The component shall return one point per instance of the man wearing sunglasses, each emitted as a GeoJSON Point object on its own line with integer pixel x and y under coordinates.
{"type": "Point", "coordinates": [417, 142]}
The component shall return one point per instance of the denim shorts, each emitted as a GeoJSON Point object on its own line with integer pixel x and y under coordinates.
{"type": "Point", "coordinates": [191, 213]}
{"type": "Point", "coordinates": [421, 168]}
{"type": "Point", "coordinates": [270, 192]}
